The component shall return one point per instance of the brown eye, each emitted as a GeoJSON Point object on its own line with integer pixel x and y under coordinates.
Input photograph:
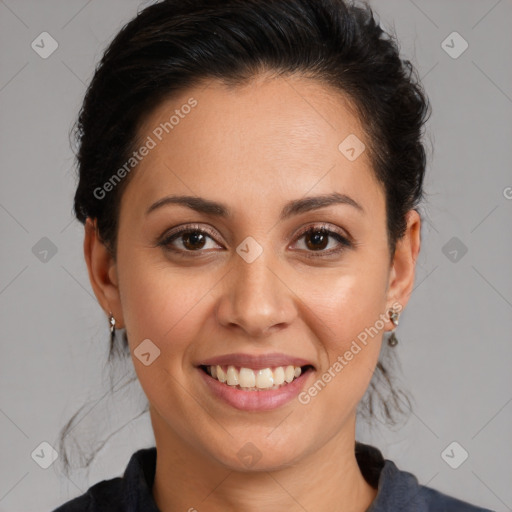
{"type": "Point", "coordinates": [317, 238]}
{"type": "Point", "coordinates": [192, 240]}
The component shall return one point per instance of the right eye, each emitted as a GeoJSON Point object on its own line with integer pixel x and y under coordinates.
{"type": "Point", "coordinates": [192, 238]}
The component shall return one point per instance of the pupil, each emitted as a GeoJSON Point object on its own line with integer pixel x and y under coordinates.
{"type": "Point", "coordinates": [318, 236]}
{"type": "Point", "coordinates": [194, 236]}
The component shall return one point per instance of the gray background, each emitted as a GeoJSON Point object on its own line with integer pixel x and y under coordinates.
{"type": "Point", "coordinates": [455, 348]}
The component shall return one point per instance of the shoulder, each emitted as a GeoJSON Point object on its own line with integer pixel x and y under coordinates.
{"type": "Point", "coordinates": [132, 491]}
{"type": "Point", "coordinates": [400, 490]}
{"type": "Point", "coordinates": [440, 502]}
{"type": "Point", "coordinates": [105, 496]}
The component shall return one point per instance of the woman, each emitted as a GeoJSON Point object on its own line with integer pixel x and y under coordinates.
{"type": "Point", "coordinates": [249, 180]}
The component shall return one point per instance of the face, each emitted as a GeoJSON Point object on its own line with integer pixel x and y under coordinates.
{"type": "Point", "coordinates": [253, 281]}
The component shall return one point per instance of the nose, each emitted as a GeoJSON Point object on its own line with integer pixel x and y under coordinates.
{"type": "Point", "coordinates": [256, 298]}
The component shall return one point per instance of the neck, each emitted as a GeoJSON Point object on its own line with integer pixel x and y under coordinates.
{"type": "Point", "coordinates": [329, 479]}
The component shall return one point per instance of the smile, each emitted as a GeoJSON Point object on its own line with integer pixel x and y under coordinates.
{"type": "Point", "coordinates": [254, 390]}
{"type": "Point", "coordinates": [248, 379]}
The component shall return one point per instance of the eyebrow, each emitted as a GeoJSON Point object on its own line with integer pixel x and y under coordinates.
{"type": "Point", "coordinates": [295, 207]}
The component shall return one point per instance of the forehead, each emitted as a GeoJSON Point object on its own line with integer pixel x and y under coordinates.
{"type": "Point", "coordinates": [254, 142]}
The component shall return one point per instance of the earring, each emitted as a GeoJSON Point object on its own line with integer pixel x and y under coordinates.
{"type": "Point", "coordinates": [393, 315]}
{"type": "Point", "coordinates": [112, 322]}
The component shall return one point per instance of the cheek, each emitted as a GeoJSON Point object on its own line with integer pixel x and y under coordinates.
{"type": "Point", "coordinates": [351, 348]}
{"type": "Point", "coordinates": [164, 306]}
{"type": "Point", "coordinates": [352, 302]}
{"type": "Point", "coordinates": [349, 316]}
{"type": "Point", "coordinates": [167, 308]}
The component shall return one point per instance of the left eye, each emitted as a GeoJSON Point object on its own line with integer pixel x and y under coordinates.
{"type": "Point", "coordinates": [193, 239]}
{"type": "Point", "coordinates": [317, 238]}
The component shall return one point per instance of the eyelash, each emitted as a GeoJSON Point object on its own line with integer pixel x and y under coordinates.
{"type": "Point", "coordinates": [344, 242]}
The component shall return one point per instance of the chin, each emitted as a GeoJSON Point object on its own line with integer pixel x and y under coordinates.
{"type": "Point", "coordinates": [255, 460]}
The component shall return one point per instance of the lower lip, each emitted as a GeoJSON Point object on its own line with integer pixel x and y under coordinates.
{"type": "Point", "coordinates": [264, 400]}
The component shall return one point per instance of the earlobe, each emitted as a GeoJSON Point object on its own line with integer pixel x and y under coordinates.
{"type": "Point", "coordinates": [102, 272]}
{"type": "Point", "coordinates": [404, 261]}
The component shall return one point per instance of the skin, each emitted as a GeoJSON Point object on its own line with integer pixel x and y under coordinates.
{"type": "Point", "coordinates": [254, 147]}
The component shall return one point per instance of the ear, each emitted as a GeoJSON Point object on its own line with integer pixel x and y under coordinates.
{"type": "Point", "coordinates": [102, 272]}
{"type": "Point", "coordinates": [401, 280]}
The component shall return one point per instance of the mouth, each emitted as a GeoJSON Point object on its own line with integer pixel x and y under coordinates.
{"type": "Point", "coordinates": [258, 380]}
{"type": "Point", "coordinates": [255, 382]}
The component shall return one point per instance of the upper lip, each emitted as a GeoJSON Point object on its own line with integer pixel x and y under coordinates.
{"type": "Point", "coordinates": [256, 362]}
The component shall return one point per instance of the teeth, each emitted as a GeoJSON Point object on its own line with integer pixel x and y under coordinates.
{"type": "Point", "coordinates": [245, 378]}
{"type": "Point", "coordinates": [264, 378]}
{"type": "Point", "coordinates": [279, 375]}
{"type": "Point", "coordinates": [221, 376]}
{"type": "Point", "coordinates": [232, 376]}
